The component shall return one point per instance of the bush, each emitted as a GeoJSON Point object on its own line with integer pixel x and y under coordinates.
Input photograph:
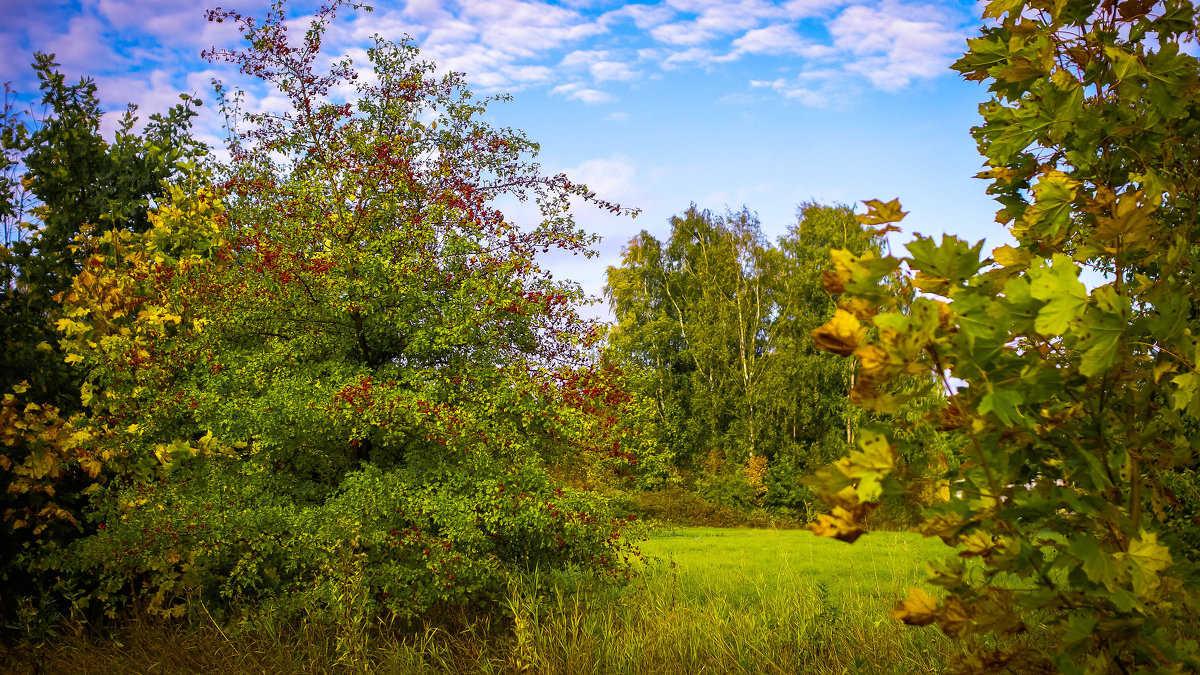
{"type": "Point", "coordinates": [677, 506]}
{"type": "Point", "coordinates": [396, 542]}
{"type": "Point", "coordinates": [728, 489]}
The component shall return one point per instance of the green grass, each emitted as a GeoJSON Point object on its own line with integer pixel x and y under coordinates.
{"type": "Point", "coordinates": [708, 600]}
{"type": "Point", "coordinates": [740, 563]}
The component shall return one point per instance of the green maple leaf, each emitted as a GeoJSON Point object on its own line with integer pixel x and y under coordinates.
{"type": "Point", "coordinates": [1102, 330]}
{"type": "Point", "coordinates": [1002, 403]}
{"type": "Point", "coordinates": [944, 266]}
{"type": "Point", "coordinates": [1187, 385]}
{"type": "Point", "coordinates": [1066, 296]}
{"type": "Point", "coordinates": [1098, 565]}
{"type": "Point", "coordinates": [1051, 210]}
{"type": "Point", "coordinates": [1148, 554]}
{"type": "Point", "coordinates": [1148, 558]}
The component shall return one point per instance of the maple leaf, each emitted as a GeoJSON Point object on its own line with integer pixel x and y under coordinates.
{"type": "Point", "coordinates": [841, 335]}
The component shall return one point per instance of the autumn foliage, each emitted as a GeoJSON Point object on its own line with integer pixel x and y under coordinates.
{"type": "Point", "coordinates": [1070, 359]}
{"type": "Point", "coordinates": [332, 367]}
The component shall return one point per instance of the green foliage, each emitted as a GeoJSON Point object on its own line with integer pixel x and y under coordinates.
{"type": "Point", "coordinates": [728, 489]}
{"type": "Point", "coordinates": [716, 322]}
{"type": "Point", "coordinates": [772, 602]}
{"type": "Point", "coordinates": [339, 373]}
{"type": "Point", "coordinates": [225, 529]}
{"type": "Point", "coordinates": [1076, 406]}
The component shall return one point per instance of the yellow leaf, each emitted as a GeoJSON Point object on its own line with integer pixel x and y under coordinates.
{"type": "Point", "coordinates": [879, 212]}
{"type": "Point", "coordinates": [1007, 256]}
{"type": "Point", "coordinates": [840, 524]}
{"type": "Point", "coordinates": [1148, 554]}
{"type": "Point", "coordinates": [918, 609]}
{"type": "Point", "coordinates": [841, 335]}
{"type": "Point", "coordinates": [44, 346]}
{"type": "Point", "coordinates": [859, 307]}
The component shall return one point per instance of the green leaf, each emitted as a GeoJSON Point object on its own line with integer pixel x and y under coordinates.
{"type": "Point", "coordinates": [944, 267]}
{"type": "Point", "coordinates": [1066, 296]}
{"type": "Point", "coordinates": [1004, 404]}
{"type": "Point", "coordinates": [1098, 565]}
{"type": "Point", "coordinates": [1050, 212]}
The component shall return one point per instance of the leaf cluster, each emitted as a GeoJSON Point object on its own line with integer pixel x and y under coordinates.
{"type": "Point", "coordinates": [1071, 356]}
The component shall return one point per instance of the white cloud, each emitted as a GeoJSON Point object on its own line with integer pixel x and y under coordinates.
{"type": "Point", "coordinates": [584, 58]}
{"type": "Point", "coordinates": [894, 44]}
{"type": "Point", "coordinates": [612, 70]}
{"type": "Point", "coordinates": [611, 179]}
{"type": "Point", "coordinates": [714, 18]}
{"type": "Point", "coordinates": [600, 65]}
{"type": "Point", "coordinates": [579, 92]}
{"type": "Point", "coordinates": [801, 9]}
{"type": "Point", "coordinates": [815, 88]}
{"type": "Point", "coordinates": [643, 16]}
{"type": "Point", "coordinates": [779, 39]}
{"type": "Point", "coordinates": [695, 55]}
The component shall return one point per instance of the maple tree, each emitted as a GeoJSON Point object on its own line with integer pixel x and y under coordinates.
{"type": "Point", "coordinates": [339, 363]}
{"type": "Point", "coordinates": [1071, 357]}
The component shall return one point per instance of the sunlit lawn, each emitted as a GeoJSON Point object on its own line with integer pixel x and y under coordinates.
{"type": "Point", "coordinates": [708, 600]}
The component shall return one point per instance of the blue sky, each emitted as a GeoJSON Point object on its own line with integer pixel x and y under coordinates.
{"type": "Point", "coordinates": [655, 104]}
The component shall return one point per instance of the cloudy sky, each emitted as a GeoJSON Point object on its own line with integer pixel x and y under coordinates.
{"type": "Point", "coordinates": [654, 104]}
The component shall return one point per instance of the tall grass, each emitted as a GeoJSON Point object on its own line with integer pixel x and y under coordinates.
{"type": "Point", "coordinates": [708, 600]}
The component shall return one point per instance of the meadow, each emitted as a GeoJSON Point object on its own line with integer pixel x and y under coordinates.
{"type": "Point", "coordinates": [707, 600]}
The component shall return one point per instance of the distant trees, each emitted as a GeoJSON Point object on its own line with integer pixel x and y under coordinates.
{"type": "Point", "coordinates": [715, 328]}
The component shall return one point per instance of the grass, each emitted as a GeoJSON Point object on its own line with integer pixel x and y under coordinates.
{"type": "Point", "coordinates": [708, 600]}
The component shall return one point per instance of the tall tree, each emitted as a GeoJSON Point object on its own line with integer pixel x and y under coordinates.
{"type": "Point", "coordinates": [719, 322]}
{"type": "Point", "coordinates": [59, 178]}
{"type": "Point", "coordinates": [345, 338]}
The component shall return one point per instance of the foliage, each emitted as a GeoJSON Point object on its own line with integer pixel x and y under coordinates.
{"type": "Point", "coordinates": [348, 353]}
{"type": "Point", "coordinates": [60, 177]}
{"type": "Point", "coordinates": [778, 602]}
{"type": "Point", "coordinates": [1077, 406]}
{"type": "Point", "coordinates": [717, 322]}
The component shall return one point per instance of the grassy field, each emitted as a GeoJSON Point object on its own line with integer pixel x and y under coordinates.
{"type": "Point", "coordinates": [709, 600]}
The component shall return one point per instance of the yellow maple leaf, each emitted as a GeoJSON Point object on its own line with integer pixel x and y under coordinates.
{"type": "Point", "coordinates": [840, 524]}
{"type": "Point", "coordinates": [841, 335]}
{"type": "Point", "coordinates": [918, 609]}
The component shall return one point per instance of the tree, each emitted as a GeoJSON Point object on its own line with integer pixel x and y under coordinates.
{"type": "Point", "coordinates": [1077, 407]}
{"type": "Point", "coordinates": [61, 174]}
{"type": "Point", "coordinates": [717, 322]}
{"type": "Point", "coordinates": [341, 366]}
{"type": "Point", "coordinates": [60, 177]}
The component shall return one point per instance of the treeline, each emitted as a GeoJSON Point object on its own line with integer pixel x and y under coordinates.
{"type": "Point", "coordinates": [714, 330]}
